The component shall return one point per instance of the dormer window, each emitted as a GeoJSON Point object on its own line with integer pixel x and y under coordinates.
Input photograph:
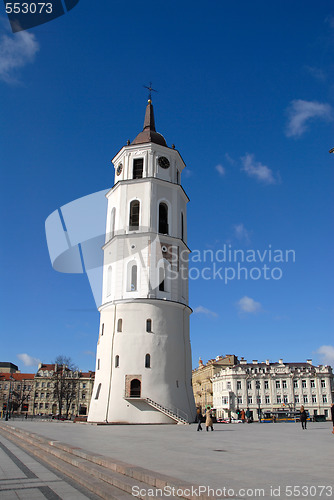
{"type": "Point", "coordinates": [138, 164]}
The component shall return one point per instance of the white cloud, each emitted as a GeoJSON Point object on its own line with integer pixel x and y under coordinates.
{"type": "Point", "coordinates": [248, 305]}
{"type": "Point", "coordinates": [16, 51]}
{"type": "Point", "coordinates": [207, 312]}
{"type": "Point", "coordinates": [241, 233]}
{"type": "Point", "coordinates": [326, 353]}
{"type": "Point", "coordinates": [89, 353]}
{"type": "Point", "coordinates": [221, 170]}
{"type": "Point", "coordinates": [255, 169]}
{"type": "Point", "coordinates": [28, 360]}
{"type": "Point", "coordinates": [301, 112]}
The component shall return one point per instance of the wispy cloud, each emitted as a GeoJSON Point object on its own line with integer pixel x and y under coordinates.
{"type": "Point", "coordinates": [204, 310]}
{"type": "Point", "coordinates": [221, 170]}
{"type": "Point", "coordinates": [16, 50]}
{"type": "Point", "coordinates": [317, 73]}
{"type": "Point", "coordinates": [249, 305]}
{"type": "Point", "coordinates": [89, 353]}
{"type": "Point", "coordinates": [28, 360]}
{"type": "Point", "coordinates": [300, 113]}
{"type": "Point", "coordinates": [326, 353]}
{"type": "Point", "coordinates": [256, 169]}
{"type": "Point", "coordinates": [241, 233]}
{"type": "Point", "coordinates": [229, 159]}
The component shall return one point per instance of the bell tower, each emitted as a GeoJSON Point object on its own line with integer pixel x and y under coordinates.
{"type": "Point", "coordinates": [143, 361]}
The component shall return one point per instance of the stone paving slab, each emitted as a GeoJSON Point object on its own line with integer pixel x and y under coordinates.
{"type": "Point", "coordinates": [253, 457]}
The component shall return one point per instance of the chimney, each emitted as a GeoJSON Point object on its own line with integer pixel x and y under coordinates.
{"type": "Point", "coordinates": [280, 361]}
{"type": "Point", "coordinates": [243, 361]}
{"type": "Point", "coordinates": [309, 361]}
{"type": "Point", "coordinates": [267, 362]}
{"type": "Point", "coordinates": [255, 361]}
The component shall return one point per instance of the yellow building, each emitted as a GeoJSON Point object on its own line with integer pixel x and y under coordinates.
{"type": "Point", "coordinates": [202, 379]}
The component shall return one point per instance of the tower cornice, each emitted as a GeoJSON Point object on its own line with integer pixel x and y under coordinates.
{"type": "Point", "coordinates": [143, 180]}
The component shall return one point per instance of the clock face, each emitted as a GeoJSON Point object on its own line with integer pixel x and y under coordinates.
{"type": "Point", "coordinates": [119, 169]}
{"type": "Point", "coordinates": [163, 162]}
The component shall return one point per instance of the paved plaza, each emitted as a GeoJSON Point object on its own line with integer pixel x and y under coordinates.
{"type": "Point", "coordinates": [249, 460]}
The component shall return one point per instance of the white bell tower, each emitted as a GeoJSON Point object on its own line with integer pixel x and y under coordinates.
{"type": "Point", "coordinates": [143, 361]}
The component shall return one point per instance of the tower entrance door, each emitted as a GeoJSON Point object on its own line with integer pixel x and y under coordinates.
{"type": "Point", "coordinates": [135, 388]}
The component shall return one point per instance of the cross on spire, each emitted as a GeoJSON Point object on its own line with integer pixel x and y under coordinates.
{"type": "Point", "coordinates": [150, 89]}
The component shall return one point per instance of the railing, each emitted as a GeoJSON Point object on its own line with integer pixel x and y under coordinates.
{"type": "Point", "coordinates": [173, 412]}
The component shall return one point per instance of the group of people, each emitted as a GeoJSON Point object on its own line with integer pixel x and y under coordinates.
{"type": "Point", "coordinates": [247, 414]}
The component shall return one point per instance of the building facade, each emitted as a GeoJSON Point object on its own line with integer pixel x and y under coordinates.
{"type": "Point", "coordinates": [202, 379]}
{"type": "Point", "coordinates": [268, 387]}
{"type": "Point", "coordinates": [36, 394]}
{"type": "Point", "coordinates": [143, 360]}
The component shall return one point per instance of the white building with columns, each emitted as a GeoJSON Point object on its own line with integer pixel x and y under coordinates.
{"type": "Point", "coordinates": [272, 386]}
{"type": "Point", "coordinates": [143, 361]}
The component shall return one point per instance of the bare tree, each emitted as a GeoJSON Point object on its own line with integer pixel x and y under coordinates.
{"type": "Point", "coordinates": [65, 383]}
{"type": "Point", "coordinates": [20, 394]}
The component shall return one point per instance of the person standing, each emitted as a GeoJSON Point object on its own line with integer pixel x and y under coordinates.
{"type": "Point", "coordinates": [199, 420]}
{"type": "Point", "coordinates": [332, 412]}
{"type": "Point", "coordinates": [303, 417]}
{"type": "Point", "coordinates": [208, 419]}
{"type": "Point", "coordinates": [248, 416]}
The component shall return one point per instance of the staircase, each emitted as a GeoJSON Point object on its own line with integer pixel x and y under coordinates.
{"type": "Point", "coordinates": [176, 414]}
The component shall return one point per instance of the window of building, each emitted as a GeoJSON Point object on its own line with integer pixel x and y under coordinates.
{"type": "Point", "coordinates": [228, 386]}
{"type": "Point", "coordinates": [134, 215]}
{"type": "Point", "coordinates": [98, 391]}
{"type": "Point", "coordinates": [314, 398]}
{"type": "Point", "coordinates": [258, 399]}
{"type": "Point", "coordinates": [279, 399]}
{"type": "Point", "coordinates": [267, 400]}
{"type": "Point", "coordinates": [42, 394]}
{"type": "Point", "coordinates": [182, 226]}
{"type": "Point", "coordinates": [303, 384]}
{"type": "Point", "coordinates": [133, 285]}
{"type": "Point", "coordinates": [163, 218]}
{"type": "Point", "coordinates": [83, 396]}
{"type": "Point", "coordinates": [109, 281]}
{"type": "Point", "coordinates": [149, 325]}
{"type": "Point", "coordinates": [117, 361]}
{"type": "Point", "coordinates": [148, 361]}
{"type": "Point", "coordinates": [239, 400]}
{"type": "Point", "coordinates": [258, 384]}
{"type": "Point", "coordinates": [238, 385]}
{"type": "Point", "coordinates": [138, 164]}
{"type": "Point", "coordinates": [295, 384]}
{"type": "Point", "coordinates": [47, 395]}
{"type": "Point", "coordinates": [224, 400]}
{"type": "Point", "coordinates": [112, 222]}
{"type": "Point", "coordinates": [46, 406]}
{"type": "Point", "coordinates": [312, 384]}
{"type": "Point", "coordinates": [119, 324]}
{"type": "Point", "coordinates": [249, 385]}
{"type": "Point", "coordinates": [326, 413]}
{"type": "Point", "coordinates": [250, 400]}
{"type": "Point", "coordinates": [324, 398]}
{"type": "Point", "coordinates": [284, 384]}
{"type": "Point", "coordinates": [43, 384]}
{"type": "Point", "coordinates": [323, 383]}
{"type": "Point", "coordinates": [98, 364]}
{"type": "Point", "coordinates": [285, 399]}
{"type": "Point", "coordinates": [305, 398]}
{"type": "Point", "coordinates": [266, 384]}
{"type": "Point", "coordinates": [84, 386]}
{"type": "Point", "coordinates": [278, 384]}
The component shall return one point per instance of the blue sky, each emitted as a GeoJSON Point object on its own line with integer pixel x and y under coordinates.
{"type": "Point", "coordinates": [245, 94]}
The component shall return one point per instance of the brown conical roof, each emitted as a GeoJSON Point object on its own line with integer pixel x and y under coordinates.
{"type": "Point", "coordinates": [149, 134]}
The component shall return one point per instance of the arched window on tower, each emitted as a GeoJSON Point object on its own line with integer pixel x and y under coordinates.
{"type": "Point", "coordinates": [132, 276]}
{"type": "Point", "coordinates": [119, 325]}
{"type": "Point", "coordinates": [163, 218]}
{"type": "Point", "coordinates": [148, 325]}
{"type": "Point", "coordinates": [112, 223]}
{"type": "Point", "coordinates": [116, 361]}
{"type": "Point", "coordinates": [102, 329]}
{"type": "Point", "coordinates": [148, 361]}
{"type": "Point", "coordinates": [109, 281]}
{"type": "Point", "coordinates": [134, 215]}
{"type": "Point", "coordinates": [98, 391]}
{"type": "Point", "coordinates": [182, 226]}
{"type": "Point", "coordinates": [138, 164]}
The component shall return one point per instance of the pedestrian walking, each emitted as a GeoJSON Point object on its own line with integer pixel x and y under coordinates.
{"type": "Point", "coordinates": [243, 416]}
{"type": "Point", "coordinates": [199, 420]}
{"type": "Point", "coordinates": [248, 416]}
{"type": "Point", "coordinates": [303, 417]}
{"type": "Point", "coordinates": [332, 411]}
{"type": "Point", "coordinates": [208, 419]}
